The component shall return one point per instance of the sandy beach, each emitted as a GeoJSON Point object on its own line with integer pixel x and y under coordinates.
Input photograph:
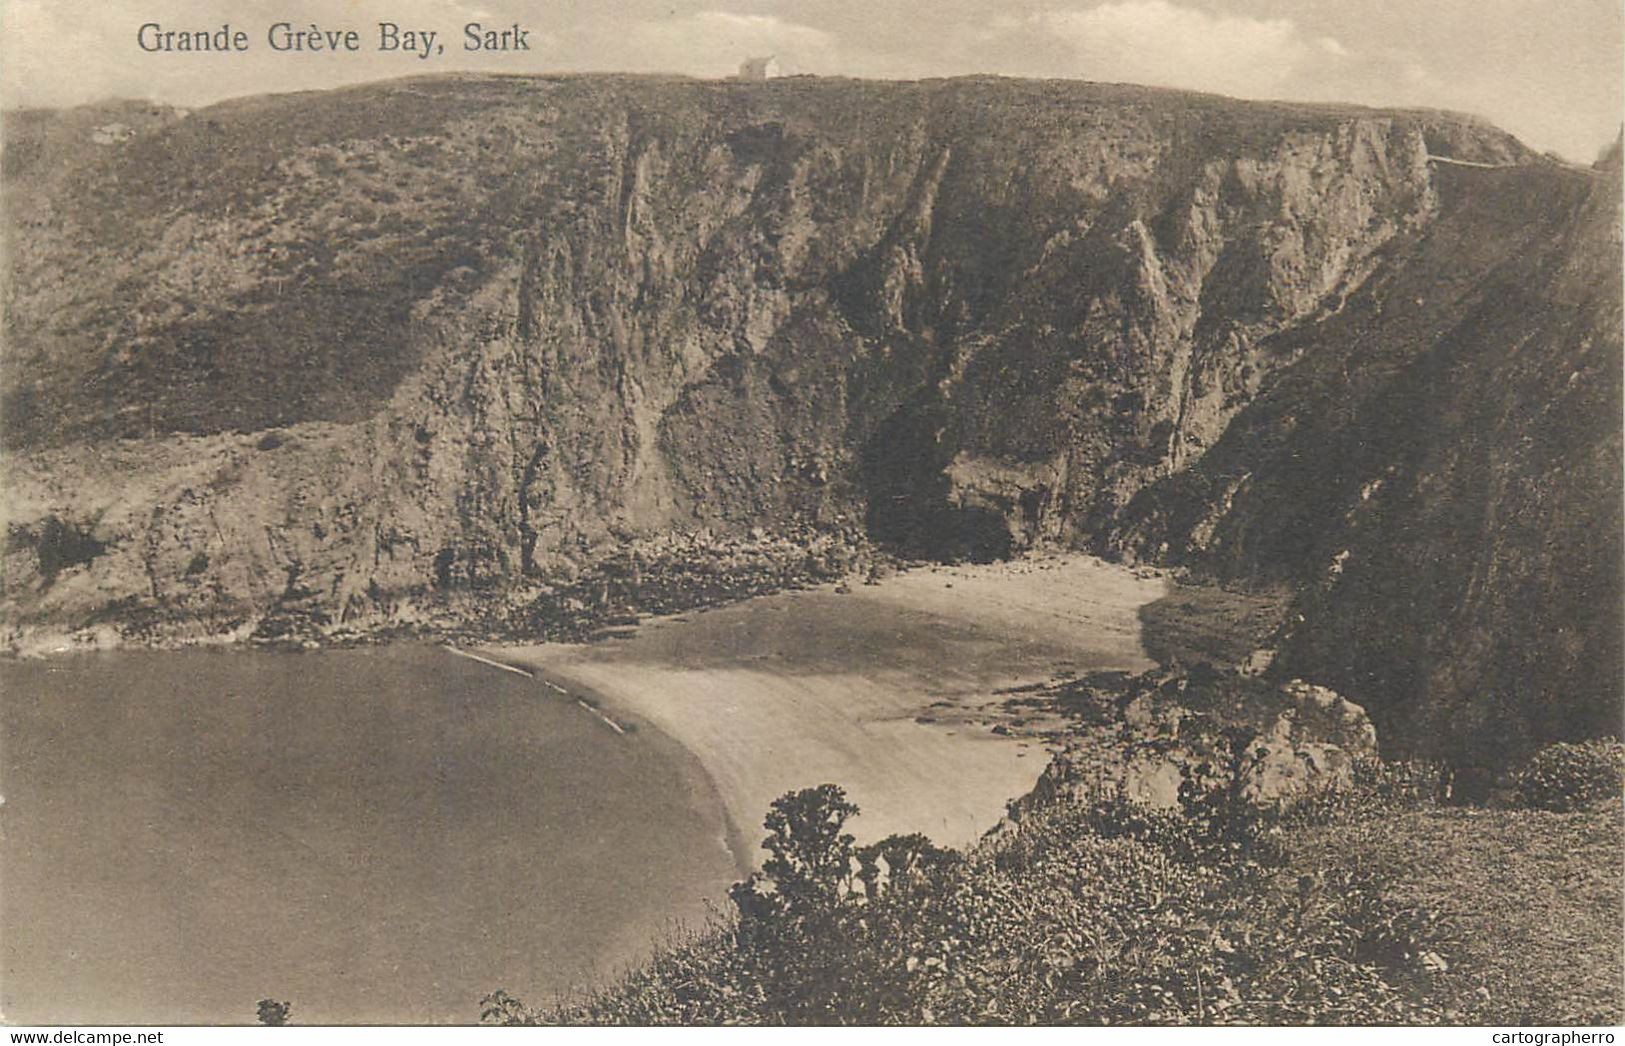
{"type": "Point", "coordinates": [877, 689]}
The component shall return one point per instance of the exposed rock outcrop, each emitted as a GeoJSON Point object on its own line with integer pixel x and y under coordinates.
{"type": "Point", "coordinates": [400, 353]}
{"type": "Point", "coordinates": [1312, 746]}
{"type": "Point", "coordinates": [1440, 477]}
{"type": "Point", "coordinates": [1179, 736]}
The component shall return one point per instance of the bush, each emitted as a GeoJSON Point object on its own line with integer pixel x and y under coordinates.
{"type": "Point", "coordinates": [1086, 911]}
{"type": "Point", "coordinates": [810, 857]}
{"type": "Point", "coordinates": [272, 1013]}
{"type": "Point", "coordinates": [1379, 788]}
{"type": "Point", "coordinates": [1565, 776]}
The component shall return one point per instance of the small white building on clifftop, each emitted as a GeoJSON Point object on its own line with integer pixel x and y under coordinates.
{"type": "Point", "coordinates": [758, 68]}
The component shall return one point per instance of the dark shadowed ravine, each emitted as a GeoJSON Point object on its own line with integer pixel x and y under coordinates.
{"type": "Point", "coordinates": [373, 835]}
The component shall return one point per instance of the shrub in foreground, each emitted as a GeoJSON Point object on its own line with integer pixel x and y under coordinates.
{"type": "Point", "coordinates": [1566, 776]}
{"type": "Point", "coordinates": [1085, 912]}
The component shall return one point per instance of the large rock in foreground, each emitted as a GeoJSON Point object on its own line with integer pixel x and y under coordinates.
{"type": "Point", "coordinates": [1311, 747]}
{"type": "Point", "coordinates": [1179, 738]}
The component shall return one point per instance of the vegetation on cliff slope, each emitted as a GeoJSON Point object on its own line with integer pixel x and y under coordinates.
{"type": "Point", "coordinates": [393, 355]}
{"type": "Point", "coordinates": [1369, 907]}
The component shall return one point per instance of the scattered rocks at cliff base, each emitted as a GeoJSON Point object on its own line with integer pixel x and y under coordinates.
{"type": "Point", "coordinates": [603, 597]}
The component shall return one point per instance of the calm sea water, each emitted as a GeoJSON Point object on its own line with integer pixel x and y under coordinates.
{"type": "Point", "coordinates": [376, 835]}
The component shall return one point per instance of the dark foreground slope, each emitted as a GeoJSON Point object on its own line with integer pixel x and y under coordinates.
{"type": "Point", "coordinates": [1385, 910]}
{"type": "Point", "coordinates": [373, 353]}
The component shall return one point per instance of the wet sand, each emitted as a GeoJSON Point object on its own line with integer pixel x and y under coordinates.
{"type": "Point", "coordinates": [877, 689]}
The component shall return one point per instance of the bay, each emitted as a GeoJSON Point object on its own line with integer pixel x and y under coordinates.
{"type": "Point", "coordinates": [373, 835]}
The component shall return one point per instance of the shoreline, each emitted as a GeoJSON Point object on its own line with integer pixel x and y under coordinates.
{"type": "Point", "coordinates": [733, 839]}
{"type": "Point", "coordinates": [884, 689]}
{"type": "Point", "coordinates": [1010, 623]}
{"type": "Point", "coordinates": [848, 686]}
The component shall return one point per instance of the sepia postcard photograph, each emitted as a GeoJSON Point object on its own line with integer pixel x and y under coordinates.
{"type": "Point", "coordinates": [811, 512]}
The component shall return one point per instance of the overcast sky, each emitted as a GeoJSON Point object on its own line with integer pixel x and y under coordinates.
{"type": "Point", "coordinates": [1550, 71]}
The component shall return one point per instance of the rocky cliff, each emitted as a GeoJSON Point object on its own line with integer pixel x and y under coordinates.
{"type": "Point", "coordinates": [451, 341]}
{"type": "Point", "coordinates": [1439, 477]}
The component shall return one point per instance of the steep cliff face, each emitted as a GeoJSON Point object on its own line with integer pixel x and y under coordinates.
{"type": "Point", "coordinates": [1440, 476]}
{"type": "Point", "coordinates": [360, 352]}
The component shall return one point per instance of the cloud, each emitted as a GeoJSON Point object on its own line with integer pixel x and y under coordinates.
{"type": "Point", "coordinates": [708, 43]}
{"type": "Point", "coordinates": [1553, 79]}
{"type": "Point", "coordinates": [1157, 42]}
